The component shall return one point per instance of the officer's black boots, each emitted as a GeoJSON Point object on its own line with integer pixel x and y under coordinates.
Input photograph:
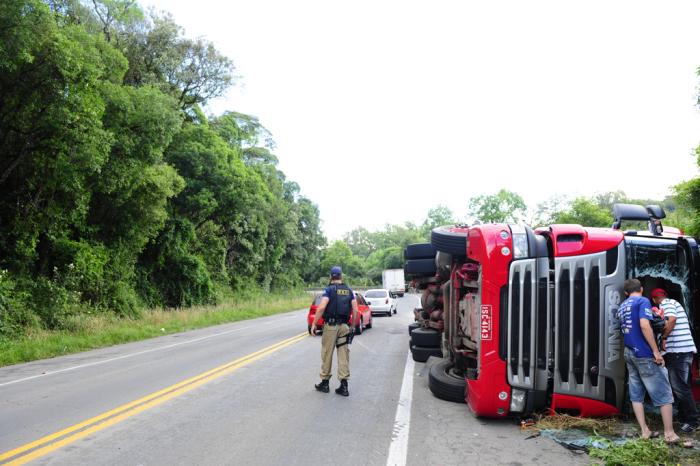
{"type": "Point", "coordinates": [323, 386]}
{"type": "Point", "coordinates": [343, 389]}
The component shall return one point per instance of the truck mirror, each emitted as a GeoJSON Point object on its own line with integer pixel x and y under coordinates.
{"type": "Point", "coordinates": [656, 211]}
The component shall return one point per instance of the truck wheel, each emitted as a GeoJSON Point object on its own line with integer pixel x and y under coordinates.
{"type": "Point", "coordinates": [427, 337]}
{"type": "Point", "coordinates": [358, 328]}
{"type": "Point", "coordinates": [420, 267]}
{"type": "Point", "coordinates": [411, 327]}
{"type": "Point", "coordinates": [369, 325]}
{"type": "Point", "coordinates": [446, 385]}
{"type": "Point", "coordinates": [419, 251]}
{"type": "Point", "coordinates": [450, 239]}
{"type": "Point", "coordinates": [421, 354]}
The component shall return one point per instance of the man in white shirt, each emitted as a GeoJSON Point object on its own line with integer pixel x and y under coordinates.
{"type": "Point", "coordinates": [677, 342]}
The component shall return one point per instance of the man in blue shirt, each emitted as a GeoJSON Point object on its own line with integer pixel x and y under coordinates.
{"type": "Point", "coordinates": [645, 364]}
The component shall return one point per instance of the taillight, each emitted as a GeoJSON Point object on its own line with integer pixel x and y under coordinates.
{"type": "Point", "coordinates": [387, 301]}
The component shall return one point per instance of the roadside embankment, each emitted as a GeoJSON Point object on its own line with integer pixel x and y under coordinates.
{"type": "Point", "coordinates": [85, 332]}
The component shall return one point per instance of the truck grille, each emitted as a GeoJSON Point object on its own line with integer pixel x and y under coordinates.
{"type": "Point", "coordinates": [582, 325]}
{"type": "Point", "coordinates": [528, 321]}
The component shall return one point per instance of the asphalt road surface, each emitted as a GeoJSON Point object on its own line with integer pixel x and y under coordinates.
{"type": "Point", "coordinates": [243, 393]}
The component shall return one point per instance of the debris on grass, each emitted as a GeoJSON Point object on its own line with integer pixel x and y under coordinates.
{"type": "Point", "coordinates": [613, 442]}
{"type": "Point", "coordinates": [601, 426]}
{"type": "Point", "coordinates": [581, 440]}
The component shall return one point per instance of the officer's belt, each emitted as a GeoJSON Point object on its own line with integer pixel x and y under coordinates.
{"type": "Point", "coordinates": [337, 320]}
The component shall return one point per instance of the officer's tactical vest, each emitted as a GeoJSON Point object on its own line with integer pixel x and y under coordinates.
{"type": "Point", "coordinates": [339, 302]}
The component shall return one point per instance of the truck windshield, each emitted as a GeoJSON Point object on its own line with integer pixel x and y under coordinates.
{"type": "Point", "coordinates": [660, 263]}
{"type": "Point", "coordinates": [376, 294]}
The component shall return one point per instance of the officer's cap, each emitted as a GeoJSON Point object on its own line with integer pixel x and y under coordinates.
{"type": "Point", "coordinates": [336, 271]}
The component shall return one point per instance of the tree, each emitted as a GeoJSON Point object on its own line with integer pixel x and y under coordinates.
{"type": "Point", "coordinates": [437, 216]}
{"type": "Point", "coordinates": [584, 212]}
{"type": "Point", "coordinates": [115, 188]}
{"type": "Point", "coordinates": [502, 207]}
{"type": "Point", "coordinates": [360, 241]}
{"type": "Point", "coordinates": [113, 15]}
{"type": "Point", "coordinates": [52, 139]}
{"type": "Point", "coordinates": [191, 70]}
{"type": "Point", "coordinates": [548, 211]}
{"type": "Point", "coordinates": [688, 197]}
{"type": "Point", "coordinates": [339, 253]}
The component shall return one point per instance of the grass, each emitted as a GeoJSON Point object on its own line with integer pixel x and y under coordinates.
{"type": "Point", "coordinates": [634, 452]}
{"type": "Point", "coordinates": [601, 426]}
{"type": "Point", "coordinates": [85, 332]}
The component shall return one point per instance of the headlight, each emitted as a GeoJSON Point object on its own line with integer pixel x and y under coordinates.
{"type": "Point", "coordinates": [520, 247]}
{"type": "Point", "coordinates": [517, 400]}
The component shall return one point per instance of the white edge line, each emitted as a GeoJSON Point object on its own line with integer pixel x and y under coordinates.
{"type": "Point", "coordinates": [398, 449]}
{"type": "Point", "coordinates": [104, 361]}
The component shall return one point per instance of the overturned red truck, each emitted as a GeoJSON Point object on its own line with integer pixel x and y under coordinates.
{"type": "Point", "coordinates": [526, 320]}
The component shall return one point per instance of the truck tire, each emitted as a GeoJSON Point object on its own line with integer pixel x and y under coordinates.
{"type": "Point", "coordinates": [419, 251]}
{"type": "Point", "coordinates": [446, 385]}
{"type": "Point", "coordinates": [411, 327]}
{"type": "Point", "coordinates": [450, 239]}
{"type": "Point", "coordinates": [421, 354]}
{"type": "Point", "coordinates": [420, 267]}
{"type": "Point", "coordinates": [358, 328]}
{"type": "Point", "coordinates": [426, 337]}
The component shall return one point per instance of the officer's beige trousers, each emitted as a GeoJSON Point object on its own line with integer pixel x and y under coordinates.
{"type": "Point", "coordinates": [331, 334]}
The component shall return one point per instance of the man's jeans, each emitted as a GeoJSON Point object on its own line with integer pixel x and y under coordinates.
{"type": "Point", "coordinates": [678, 365]}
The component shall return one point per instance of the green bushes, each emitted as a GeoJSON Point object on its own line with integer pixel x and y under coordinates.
{"type": "Point", "coordinates": [15, 314]}
{"type": "Point", "coordinates": [116, 191]}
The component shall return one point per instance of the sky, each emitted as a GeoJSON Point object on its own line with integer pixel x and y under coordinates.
{"type": "Point", "coordinates": [384, 109]}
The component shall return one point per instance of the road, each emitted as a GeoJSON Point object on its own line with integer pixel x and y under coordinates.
{"type": "Point", "coordinates": [243, 393]}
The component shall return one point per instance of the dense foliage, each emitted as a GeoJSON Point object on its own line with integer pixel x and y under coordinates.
{"type": "Point", "coordinates": [116, 191]}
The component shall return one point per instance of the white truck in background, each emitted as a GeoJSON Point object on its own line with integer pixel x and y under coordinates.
{"type": "Point", "coordinates": [393, 280]}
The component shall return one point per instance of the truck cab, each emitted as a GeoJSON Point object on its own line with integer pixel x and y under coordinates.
{"type": "Point", "coordinates": [529, 317]}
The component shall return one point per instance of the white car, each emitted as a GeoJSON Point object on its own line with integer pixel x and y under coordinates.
{"type": "Point", "coordinates": [380, 302]}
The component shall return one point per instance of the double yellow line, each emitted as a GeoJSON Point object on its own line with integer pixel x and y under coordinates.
{"type": "Point", "coordinates": [52, 442]}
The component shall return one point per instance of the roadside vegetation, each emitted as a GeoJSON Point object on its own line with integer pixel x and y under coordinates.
{"type": "Point", "coordinates": [89, 331]}
{"type": "Point", "coordinates": [118, 194]}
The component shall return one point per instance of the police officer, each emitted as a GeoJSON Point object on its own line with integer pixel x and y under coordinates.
{"type": "Point", "coordinates": [337, 305]}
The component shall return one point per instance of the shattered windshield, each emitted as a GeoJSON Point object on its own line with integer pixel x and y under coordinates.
{"type": "Point", "coordinates": [661, 264]}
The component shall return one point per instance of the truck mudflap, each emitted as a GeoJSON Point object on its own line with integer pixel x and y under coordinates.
{"type": "Point", "coordinates": [587, 344]}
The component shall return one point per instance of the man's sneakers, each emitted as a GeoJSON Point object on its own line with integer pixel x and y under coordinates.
{"type": "Point", "coordinates": [323, 386]}
{"type": "Point", "coordinates": [688, 428]}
